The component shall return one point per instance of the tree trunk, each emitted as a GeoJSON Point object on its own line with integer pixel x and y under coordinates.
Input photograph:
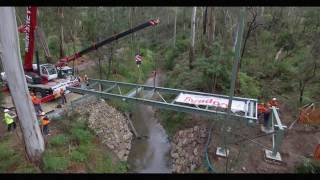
{"type": "Point", "coordinates": [301, 91]}
{"type": "Point", "coordinates": [278, 54]}
{"type": "Point", "coordinates": [204, 23]}
{"type": "Point", "coordinates": [168, 16]}
{"type": "Point", "coordinates": [262, 11]}
{"type": "Point", "coordinates": [193, 33]}
{"type": "Point", "coordinates": [175, 27]}
{"type": "Point", "coordinates": [11, 59]}
{"type": "Point", "coordinates": [60, 11]}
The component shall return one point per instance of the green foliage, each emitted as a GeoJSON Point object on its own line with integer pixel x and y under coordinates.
{"type": "Point", "coordinates": [78, 156]}
{"type": "Point", "coordinates": [122, 106]}
{"type": "Point", "coordinates": [8, 157]}
{"type": "Point", "coordinates": [5, 151]}
{"type": "Point", "coordinates": [86, 149]}
{"type": "Point", "coordinates": [121, 167]}
{"type": "Point", "coordinates": [182, 44]}
{"type": "Point", "coordinates": [249, 86]}
{"type": "Point", "coordinates": [286, 41]}
{"type": "Point", "coordinates": [172, 121]}
{"type": "Point", "coordinates": [104, 165]}
{"type": "Point", "coordinates": [58, 140]}
{"type": "Point", "coordinates": [53, 44]}
{"type": "Point", "coordinates": [54, 162]}
{"type": "Point", "coordinates": [215, 66]}
{"type": "Point", "coordinates": [81, 135]}
{"type": "Point", "coordinates": [169, 56]}
{"type": "Point", "coordinates": [26, 168]}
{"type": "Point", "coordinates": [309, 166]}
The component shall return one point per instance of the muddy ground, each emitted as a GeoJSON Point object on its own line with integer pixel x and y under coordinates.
{"type": "Point", "coordinates": [248, 157]}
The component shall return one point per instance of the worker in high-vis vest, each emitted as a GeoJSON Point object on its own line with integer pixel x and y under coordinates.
{"type": "Point", "coordinates": [8, 119]}
{"type": "Point", "coordinates": [36, 103]}
{"type": "Point", "coordinates": [45, 123]}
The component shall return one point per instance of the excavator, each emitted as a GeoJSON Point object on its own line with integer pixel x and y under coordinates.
{"type": "Point", "coordinates": [46, 80]}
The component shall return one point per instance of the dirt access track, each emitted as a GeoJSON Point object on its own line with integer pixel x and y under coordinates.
{"type": "Point", "coordinates": [298, 144]}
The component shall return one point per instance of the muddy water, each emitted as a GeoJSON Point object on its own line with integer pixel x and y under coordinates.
{"type": "Point", "coordinates": [149, 154]}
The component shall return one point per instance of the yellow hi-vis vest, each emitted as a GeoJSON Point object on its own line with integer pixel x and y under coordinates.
{"type": "Point", "coordinates": [8, 119]}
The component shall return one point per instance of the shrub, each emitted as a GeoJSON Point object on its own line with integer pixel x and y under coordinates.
{"type": "Point", "coordinates": [5, 151]}
{"type": "Point", "coordinates": [58, 140]}
{"type": "Point", "coordinates": [104, 165]}
{"type": "Point", "coordinates": [249, 86]}
{"type": "Point", "coordinates": [309, 166]}
{"type": "Point", "coordinates": [78, 156]}
{"type": "Point", "coordinates": [172, 121]}
{"type": "Point", "coordinates": [122, 167]}
{"type": "Point", "coordinates": [81, 135]}
{"type": "Point", "coordinates": [55, 163]}
{"type": "Point", "coordinates": [86, 148]}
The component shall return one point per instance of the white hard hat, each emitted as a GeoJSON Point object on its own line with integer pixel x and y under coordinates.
{"type": "Point", "coordinates": [42, 114]}
{"type": "Point", "coordinates": [6, 110]}
{"type": "Point", "coordinates": [274, 99]}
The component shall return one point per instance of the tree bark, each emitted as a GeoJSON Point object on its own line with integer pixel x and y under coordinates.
{"type": "Point", "coordinates": [301, 91]}
{"type": "Point", "coordinates": [60, 11]}
{"type": "Point", "coordinates": [205, 17]}
{"type": "Point", "coordinates": [11, 59]}
{"type": "Point", "coordinates": [262, 11]}
{"type": "Point", "coordinates": [193, 33]}
{"type": "Point", "coordinates": [175, 27]}
{"type": "Point", "coordinates": [278, 54]}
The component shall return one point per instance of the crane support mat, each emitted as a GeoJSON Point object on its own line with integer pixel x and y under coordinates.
{"type": "Point", "coordinates": [183, 100]}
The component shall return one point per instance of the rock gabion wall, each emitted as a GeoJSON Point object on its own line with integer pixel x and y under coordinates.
{"type": "Point", "coordinates": [187, 151]}
{"type": "Point", "coordinates": [110, 125]}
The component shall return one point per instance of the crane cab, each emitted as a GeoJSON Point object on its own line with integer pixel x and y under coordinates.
{"type": "Point", "coordinates": [65, 71]}
{"type": "Point", "coordinates": [48, 71]}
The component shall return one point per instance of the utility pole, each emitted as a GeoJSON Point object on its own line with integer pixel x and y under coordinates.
{"type": "Point", "coordinates": [226, 129]}
{"type": "Point", "coordinates": [11, 60]}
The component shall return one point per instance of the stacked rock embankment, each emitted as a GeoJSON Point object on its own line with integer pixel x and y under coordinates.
{"type": "Point", "coordinates": [110, 125]}
{"type": "Point", "coordinates": [187, 151]}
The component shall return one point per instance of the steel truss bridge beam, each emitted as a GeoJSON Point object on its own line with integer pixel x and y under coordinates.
{"type": "Point", "coordinates": [210, 111]}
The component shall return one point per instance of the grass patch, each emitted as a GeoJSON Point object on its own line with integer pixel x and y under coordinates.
{"type": "Point", "coordinates": [54, 163]}
{"type": "Point", "coordinates": [58, 140]}
{"type": "Point", "coordinates": [78, 156]}
{"type": "Point", "coordinates": [81, 135]}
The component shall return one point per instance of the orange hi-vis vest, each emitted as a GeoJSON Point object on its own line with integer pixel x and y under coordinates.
{"type": "Point", "coordinates": [262, 108]}
{"type": "Point", "coordinates": [45, 121]}
{"type": "Point", "coordinates": [35, 100]}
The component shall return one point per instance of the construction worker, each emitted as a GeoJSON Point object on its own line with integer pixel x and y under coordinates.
{"type": "Point", "coordinates": [8, 119]}
{"type": "Point", "coordinates": [63, 97]}
{"type": "Point", "coordinates": [274, 102]}
{"type": "Point", "coordinates": [266, 117]}
{"type": "Point", "coordinates": [86, 79]}
{"type": "Point", "coordinates": [261, 110]}
{"type": "Point", "coordinates": [45, 124]}
{"type": "Point", "coordinates": [39, 121]}
{"type": "Point", "coordinates": [36, 103]}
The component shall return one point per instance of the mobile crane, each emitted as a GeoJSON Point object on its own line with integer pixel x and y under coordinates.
{"type": "Point", "coordinates": [46, 80]}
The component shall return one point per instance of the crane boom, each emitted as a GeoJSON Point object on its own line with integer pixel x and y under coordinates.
{"type": "Point", "coordinates": [95, 46]}
{"type": "Point", "coordinates": [29, 29]}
